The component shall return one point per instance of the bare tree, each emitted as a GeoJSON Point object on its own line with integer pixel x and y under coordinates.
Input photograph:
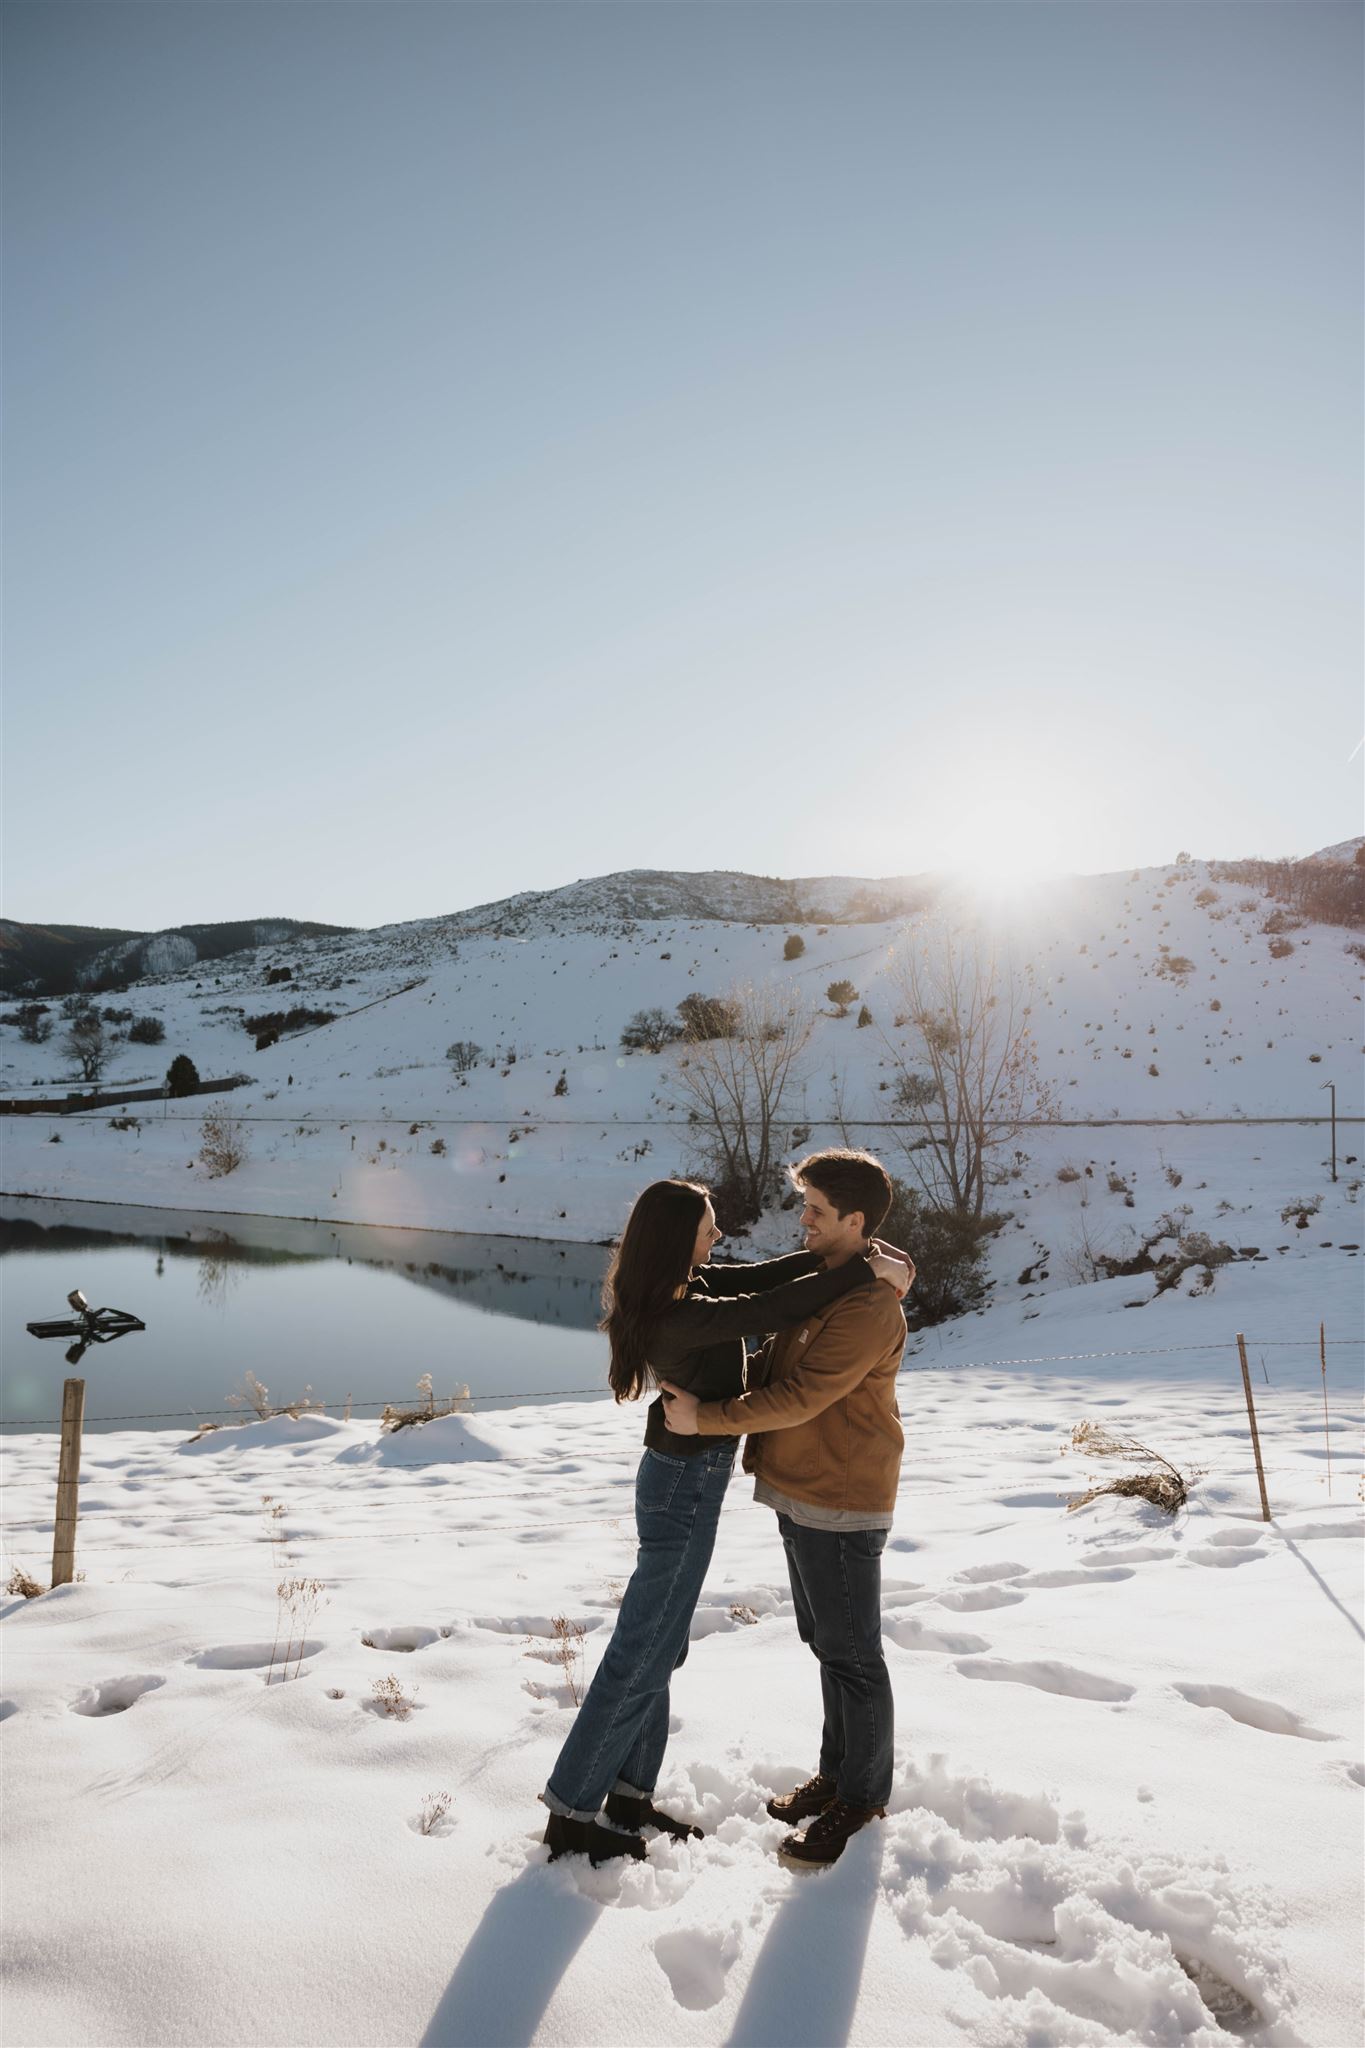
{"type": "Point", "coordinates": [968, 1078]}
{"type": "Point", "coordinates": [733, 1088]}
{"type": "Point", "coordinates": [650, 1031]}
{"type": "Point", "coordinates": [86, 1045]}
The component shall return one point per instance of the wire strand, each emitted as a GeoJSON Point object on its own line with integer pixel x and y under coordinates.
{"type": "Point", "coordinates": [573, 1393]}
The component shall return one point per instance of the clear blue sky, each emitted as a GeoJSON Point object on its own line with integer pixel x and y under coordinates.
{"type": "Point", "coordinates": [454, 449]}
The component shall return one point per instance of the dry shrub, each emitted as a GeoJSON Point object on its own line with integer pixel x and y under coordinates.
{"type": "Point", "coordinates": [222, 1143]}
{"type": "Point", "coordinates": [412, 1418]}
{"type": "Point", "coordinates": [1165, 1489]}
{"type": "Point", "coordinates": [391, 1698]}
{"type": "Point", "coordinates": [568, 1637]}
{"type": "Point", "coordinates": [435, 1807]}
{"type": "Point", "coordinates": [20, 1584]}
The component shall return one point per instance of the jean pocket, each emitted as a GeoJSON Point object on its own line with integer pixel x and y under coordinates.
{"type": "Point", "coordinates": [872, 1542]}
{"type": "Point", "coordinates": [657, 1482]}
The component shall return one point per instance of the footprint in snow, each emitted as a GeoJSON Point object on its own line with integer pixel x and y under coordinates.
{"type": "Point", "coordinates": [1081, 1576]}
{"type": "Point", "coordinates": [905, 1595]}
{"type": "Point", "coordinates": [973, 1599]}
{"type": "Point", "coordinates": [1221, 1559]}
{"type": "Point", "coordinates": [1318, 1532]}
{"type": "Point", "coordinates": [533, 1624]}
{"type": "Point", "coordinates": [1133, 1553]}
{"type": "Point", "coordinates": [251, 1656]}
{"type": "Point", "coordinates": [407, 1638]}
{"type": "Point", "coordinates": [1267, 1715]}
{"type": "Point", "coordinates": [1048, 1676]}
{"type": "Point", "coordinates": [911, 1634]}
{"type": "Point", "coordinates": [113, 1696]}
{"type": "Point", "coordinates": [696, 1962]}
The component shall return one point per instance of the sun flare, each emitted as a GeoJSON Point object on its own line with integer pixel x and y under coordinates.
{"type": "Point", "coordinates": [1003, 865]}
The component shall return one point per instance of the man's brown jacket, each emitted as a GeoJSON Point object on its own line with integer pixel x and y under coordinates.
{"type": "Point", "coordinates": [824, 1427]}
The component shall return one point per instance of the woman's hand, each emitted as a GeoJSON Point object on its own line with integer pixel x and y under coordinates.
{"type": "Point", "coordinates": [680, 1410]}
{"type": "Point", "coordinates": [897, 1273]}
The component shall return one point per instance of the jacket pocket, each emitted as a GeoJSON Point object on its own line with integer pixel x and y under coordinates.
{"type": "Point", "coordinates": [794, 1453]}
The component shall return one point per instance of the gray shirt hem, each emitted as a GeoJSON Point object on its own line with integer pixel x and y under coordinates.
{"type": "Point", "coordinates": [808, 1517]}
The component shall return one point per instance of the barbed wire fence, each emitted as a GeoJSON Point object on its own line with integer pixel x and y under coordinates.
{"type": "Point", "coordinates": [1279, 1402]}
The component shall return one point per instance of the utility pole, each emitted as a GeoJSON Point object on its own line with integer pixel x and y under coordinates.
{"type": "Point", "coordinates": [1333, 1086]}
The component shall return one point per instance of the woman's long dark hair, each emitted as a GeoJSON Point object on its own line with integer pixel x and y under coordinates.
{"type": "Point", "coordinates": [651, 1262]}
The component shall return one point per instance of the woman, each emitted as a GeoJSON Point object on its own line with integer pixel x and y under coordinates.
{"type": "Point", "coordinates": [664, 1315]}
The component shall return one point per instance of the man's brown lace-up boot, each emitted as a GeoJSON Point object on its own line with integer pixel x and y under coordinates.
{"type": "Point", "coordinates": [812, 1797]}
{"type": "Point", "coordinates": [824, 1839]}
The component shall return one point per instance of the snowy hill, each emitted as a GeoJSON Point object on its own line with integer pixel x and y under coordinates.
{"type": "Point", "coordinates": [41, 959]}
{"type": "Point", "coordinates": [1345, 850]}
{"type": "Point", "coordinates": [1159, 994]}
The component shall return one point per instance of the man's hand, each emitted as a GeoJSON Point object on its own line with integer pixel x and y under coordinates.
{"type": "Point", "coordinates": [680, 1410]}
{"type": "Point", "coordinates": [897, 1273]}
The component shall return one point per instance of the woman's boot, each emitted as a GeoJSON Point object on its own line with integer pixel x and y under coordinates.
{"type": "Point", "coordinates": [565, 1837]}
{"type": "Point", "coordinates": [629, 1811]}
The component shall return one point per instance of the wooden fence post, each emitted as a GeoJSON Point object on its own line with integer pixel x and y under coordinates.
{"type": "Point", "coordinates": [68, 1480]}
{"type": "Point", "coordinates": [1255, 1435]}
{"type": "Point", "coordinates": [1326, 1425]}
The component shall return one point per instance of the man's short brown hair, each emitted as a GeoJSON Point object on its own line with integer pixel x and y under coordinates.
{"type": "Point", "coordinates": [850, 1180]}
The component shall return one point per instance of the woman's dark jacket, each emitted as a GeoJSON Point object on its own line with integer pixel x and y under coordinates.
{"type": "Point", "coordinates": [698, 1342]}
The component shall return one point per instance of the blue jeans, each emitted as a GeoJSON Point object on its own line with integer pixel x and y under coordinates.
{"type": "Point", "coordinates": [617, 1742]}
{"type": "Point", "coordinates": [836, 1582]}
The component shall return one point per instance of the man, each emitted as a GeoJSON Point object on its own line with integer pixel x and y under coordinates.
{"type": "Point", "coordinates": [824, 1446]}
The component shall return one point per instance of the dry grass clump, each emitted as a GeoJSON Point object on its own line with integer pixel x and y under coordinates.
{"type": "Point", "coordinates": [435, 1807]}
{"type": "Point", "coordinates": [299, 1600]}
{"type": "Point", "coordinates": [390, 1698]}
{"type": "Point", "coordinates": [412, 1418]}
{"type": "Point", "coordinates": [568, 1640]}
{"type": "Point", "coordinates": [257, 1398]}
{"type": "Point", "coordinates": [20, 1584]}
{"type": "Point", "coordinates": [1164, 1489]}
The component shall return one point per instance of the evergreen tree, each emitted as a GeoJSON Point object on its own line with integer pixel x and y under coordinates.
{"type": "Point", "coordinates": [182, 1076]}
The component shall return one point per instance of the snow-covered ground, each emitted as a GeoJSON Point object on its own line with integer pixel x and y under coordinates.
{"type": "Point", "coordinates": [1129, 1760]}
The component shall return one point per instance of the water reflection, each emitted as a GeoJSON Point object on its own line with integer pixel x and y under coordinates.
{"type": "Point", "coordinates": [354, 1309]}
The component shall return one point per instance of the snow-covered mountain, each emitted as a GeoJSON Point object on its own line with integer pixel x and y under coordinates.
{"type": "Point", "coordinates": [1348, 851]}
{"type": "Point", "coordinates": [39, 960]}
{"type": "Point", "coordinates": [1162, 994]}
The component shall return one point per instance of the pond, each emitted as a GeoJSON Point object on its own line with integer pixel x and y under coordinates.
{"type": "Point", "coordinates": [346, 1310]}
